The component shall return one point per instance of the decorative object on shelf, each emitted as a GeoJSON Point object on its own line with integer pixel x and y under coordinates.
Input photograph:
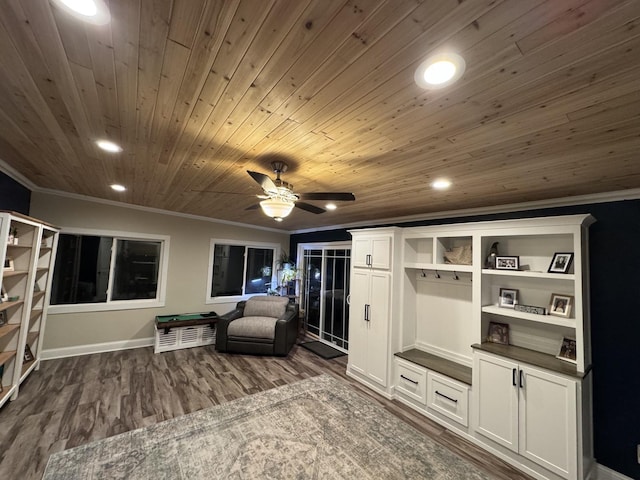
{"type": "Point", "coordinates": [13, 236]}
{"type": "Point", "coordinates": [36, 288]}
{"type": "Point", "coordinates": [560, 263]}
{"type": "Point", "coordinates": [498, 333]}
{"type": "Point", "coordinates": [530, 309]}
{"type": "Point", "coordinates": [4, 296]}
{"type": "Point", "coordinates": [568, 350]}
{"type": "Point", "coordinates": [507, 262]}
{"type": "Point", "coordinates": [9, 266]}
{"type": "Point", "coordinates": [28, 354]}
{"type": "Point", "coordinates": [14, 298]}
{"type": "Point", "coordinates": [508, 298]}
{"type": "Point", "coordinates": [560, 305]}
{"type": "Point", "coordinates": [490, 261]}
{"type": "Point", "coordinates": [459, 255]}
{"type": "Point", "coordinates": [3, 317]}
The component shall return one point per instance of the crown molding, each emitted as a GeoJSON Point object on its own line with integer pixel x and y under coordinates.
{"type": "Point", "coordinates": [606, 197]}
{"type": "Point", "coordinates": [15, 175]}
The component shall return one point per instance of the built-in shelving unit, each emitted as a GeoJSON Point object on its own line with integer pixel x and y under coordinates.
{"type": "Point", "coordinates": [27, 253]}
{"type": "Point", "coordinates": [448, 366]}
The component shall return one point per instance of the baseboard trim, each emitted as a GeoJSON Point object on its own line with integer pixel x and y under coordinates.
{"type": "Point", "coordinates": [605, 473]}
{"type": "Point", "coordinates": [52, 353]}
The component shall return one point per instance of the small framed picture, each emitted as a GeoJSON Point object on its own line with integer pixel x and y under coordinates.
{"type": "Point", "coordinates": [568, 350]}
{"type": "Point", "coordinates": [560, 263]}
{"type": "Point", "coordinates": [498, 333]}
{"type": "Point", "coordinates": [507, 263]}
{"type": "Point", "coordinates": [560, 305]}
{"type": "Point", "coordinates": [508, 297]}
{"type": "Point", "coordinates": [3, 318]}
{"type": "Point", "coordinates": [8, 264]}
{"type": "Point", "coordinates": [28, 354]}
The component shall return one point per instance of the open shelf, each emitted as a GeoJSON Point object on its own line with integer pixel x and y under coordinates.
{"type": "Point", "coordinates": [6, 356]}
{"type": "Point", "coordinates": [7, 329]}
{"type": "Point", "coordinates": [443, 267]}
{"type": "Point", "coordinates": [529, 274]}
{"type": "Point", "coordinates": [14, 273]}
{"type": "Point", "coordinates": [548, 319]}
{"type": "Point", "coordinates": [8, 305]}
{"type": "Point", "coordinates": [437, 364]}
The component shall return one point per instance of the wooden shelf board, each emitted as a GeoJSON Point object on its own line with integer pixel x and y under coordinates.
{"type": "Point", "coordinates": [26, 369]}
{"type": "Point", "coordinates": [6, 356]}
{"type": "Point", "coordinates": [7, 329]}
{"type": "Point", "coordinates": [437, 364]}
{"type": "Point", "coordinates": [529, 274]}
{"type": "Point", "coordinates": [547, 319]}
{"type": "Point", "coordinates": [31, 337]}
{"type": "Point", "coordinates": [37, 295]}
{"type": "Point", "coordinates": [14, 273]}
{"type": "Point", "coordinates": [7, 391]}
{"type": "Point", "coordinates": [15, 247]}
{"type": "Point", "coordinates": [35, 313]}
{"type": "Point", "coordinates": [8, 305]}
{"type": "Point", "coordinates": [532, 357]}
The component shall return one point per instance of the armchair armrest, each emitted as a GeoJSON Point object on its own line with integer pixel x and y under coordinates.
{"type": "Point", "coordinates": [223, 323]}
{"type": "Point", "coordinates": [286, 330]}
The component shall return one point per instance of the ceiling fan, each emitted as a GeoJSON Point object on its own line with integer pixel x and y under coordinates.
{"type": "Point", "coordinates": [279, 198]}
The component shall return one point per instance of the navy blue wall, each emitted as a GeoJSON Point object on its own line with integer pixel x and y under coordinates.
{"type": "Point", "coordinates": [13, 196]}
{"type": "Point", "coordinates": [614, 243]}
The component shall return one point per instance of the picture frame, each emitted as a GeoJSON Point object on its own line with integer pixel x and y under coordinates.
{"type": "Point", "coordinates": [504, 262]}
{"type": "Point", "coordinates": [4, 296]}
{"type": "Point", "coordinates": [508, 298]}
{"type": "Point", "coordinates": [9, 266]}
{"type": "Point", "coordinates": [568, 350]}
{"type": "Point", "coordinates": [498, 333]}
{"type": "Point", "coordinates": [28, 354]}
{"type": "Point", "coordinates": [3, 318]}
{"type": "Point", "coordinates": [560, 305]}
{"type": "Point", "coordinates": [561, 262]}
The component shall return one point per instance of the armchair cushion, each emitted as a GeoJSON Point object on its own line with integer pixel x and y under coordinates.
{"type": "Point", "coordinates": [265, 307]}
{"type": "Point", "coordinates": [253, 327]}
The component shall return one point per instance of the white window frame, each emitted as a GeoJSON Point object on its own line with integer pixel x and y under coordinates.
{"type": "Point", "coordinates": [109, 305]}
{"type": "Point", "coordinates": [237, 298]}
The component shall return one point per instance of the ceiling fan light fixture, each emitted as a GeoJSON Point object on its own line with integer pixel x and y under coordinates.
{"type": "Point", "coordinates": [276, 208]}
{"type": "Point", "coordinates": [330, 206]}
{"type": "Point", "coordinates": [439, 71]}
{"type": "Point", "coordinates": [118, 188]}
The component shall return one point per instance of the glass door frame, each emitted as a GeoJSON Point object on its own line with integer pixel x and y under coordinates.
{"type": "Point", "coordinates": [343, 245]}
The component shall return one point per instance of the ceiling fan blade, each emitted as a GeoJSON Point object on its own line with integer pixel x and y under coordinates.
{"type": "Point", "coordinates": [309, 208]}
{"type": "Point", "coordinates": [253, 207]}
{"type": "Point", "coordinates": [337, 196]}
{"type": "Point", "coordinates": [264, 181]}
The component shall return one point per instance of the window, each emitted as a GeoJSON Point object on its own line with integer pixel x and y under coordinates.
{"type": "Point", "coordinates": [105, 272]}
{"type": "Point", "coordinates": [237, 270]}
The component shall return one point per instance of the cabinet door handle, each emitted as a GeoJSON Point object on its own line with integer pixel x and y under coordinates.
{"type": "Point", "coordinates": [513, 377]}
{"type": "Point", "coordinates": [521, 384]}
{"type": "Point", "coordinates": [408, 379]}
{"type": "Point", "coordinates": [448, 398]}
{"type": "Point", "coordinates": [368, 261]}
{"type": "Point", "coordinates": [366, 312]}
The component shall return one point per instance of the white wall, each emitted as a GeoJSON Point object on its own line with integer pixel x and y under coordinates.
{"type": "Point", "coordinates": [187, 277]}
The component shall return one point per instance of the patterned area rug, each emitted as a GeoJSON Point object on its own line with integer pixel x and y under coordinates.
{"type": "Point", "coordinates": [318, 428]}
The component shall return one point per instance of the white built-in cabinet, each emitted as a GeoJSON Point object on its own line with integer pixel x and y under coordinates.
{"type": "Point", "coordinates": [370, 298]}
{"type": "Point", "coordinates": [27, 254]}
{"type": "Point", "coordinates": [519, 400]}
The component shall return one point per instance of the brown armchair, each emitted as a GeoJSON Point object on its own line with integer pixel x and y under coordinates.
{"type": "Point", "coordinates": [262, 325]}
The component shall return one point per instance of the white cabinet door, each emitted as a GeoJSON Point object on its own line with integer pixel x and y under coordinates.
{"type": "Point", "coordinates": [496, 399]}
{"type": "Point", "coordinates": [358, 328]}
{"type": "Point", "coordinates": [548, 427]}
{"type": "Point", "coordinates": [378, 324]}
{"type": "Point", "coordinates": [371, 251]}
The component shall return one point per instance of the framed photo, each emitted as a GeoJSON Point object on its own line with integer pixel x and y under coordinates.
{"type": "Point", "coordinates": [507, 263]}
{"type": "Point", "coordinates": [568, 350]}
{"type": "Point", "coordinates": [8, 264]}
{"type": "Point", "coordinates": [28, 354]}
{"type": "Point", "coordinates": [4, 296]}
{"type": "Point", "coordinates": [3, 318]}
{"type": "Point", "coordinates": [498, 333]}
{"type": "Point", "coordinates": [560, 305]}
{"type": "Point", "coordinates": [508, 298]}
{"type": "Point", "coordinates": [560, 262]}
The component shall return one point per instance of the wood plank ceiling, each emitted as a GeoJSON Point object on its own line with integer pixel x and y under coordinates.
{"type": "Point", "coordinates": [199, 91]}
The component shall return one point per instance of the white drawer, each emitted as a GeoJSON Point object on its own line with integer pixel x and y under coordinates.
{"type": "Point", "coordinates": [448, 397]}
{"type": "Point", "coordinates": [411, 381]}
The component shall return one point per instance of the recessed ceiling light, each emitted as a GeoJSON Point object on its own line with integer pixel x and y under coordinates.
{"type": "Point", "coordinates": [330, 206]}
{"type": "Point", "coordinates": [118, 188]}
{"type": "Point", "coordinates": [92, 11]}
{"type": "Point", "coordinates": [108, 146]}
{"type": "Point", "coordinates": [441, 184]}
{"type": "Point", "coordinates": [440, 71]}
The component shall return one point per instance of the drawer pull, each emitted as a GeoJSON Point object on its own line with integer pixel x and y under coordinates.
{"type": "Point", "coordinates": [408, 379]}
{"type": "Point", "coordinates": [448, 398]}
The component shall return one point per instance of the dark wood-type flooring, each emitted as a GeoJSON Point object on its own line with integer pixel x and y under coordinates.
{"type": "Point", "coordinates": [73, 401]}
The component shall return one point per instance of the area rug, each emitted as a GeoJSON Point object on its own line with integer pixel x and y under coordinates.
{"type": "Point", "coordinates": [322, 349]}
{"type": "Point", "coordinates": [318, 428]}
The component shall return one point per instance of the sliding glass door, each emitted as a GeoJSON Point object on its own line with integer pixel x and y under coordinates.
{"type": "Point", "coordinates": [326, 287]}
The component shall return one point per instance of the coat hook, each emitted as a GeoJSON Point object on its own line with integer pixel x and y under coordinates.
{"type": "Point", "coordinates": [424, 275]}
{"type": "Point", "coordinates": [437, 274]}
{"type": "Point", "coordinates": [455, 276]}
